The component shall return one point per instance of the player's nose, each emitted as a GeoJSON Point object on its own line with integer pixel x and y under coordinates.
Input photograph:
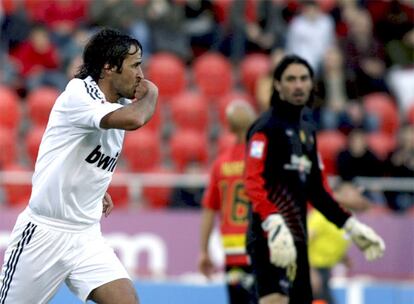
{"type": "Point", "coordinates": [139, 73]}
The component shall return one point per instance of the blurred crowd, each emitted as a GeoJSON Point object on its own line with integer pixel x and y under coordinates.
{"type": "Point", "coordinates": [205, 53]}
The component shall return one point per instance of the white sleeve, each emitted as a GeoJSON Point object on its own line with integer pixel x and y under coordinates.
{"type": "Point", "coordinates": [84, 107]}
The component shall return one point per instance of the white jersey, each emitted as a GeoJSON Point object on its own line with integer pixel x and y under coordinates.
{"type": "Point", "coordinates": [76, 158]}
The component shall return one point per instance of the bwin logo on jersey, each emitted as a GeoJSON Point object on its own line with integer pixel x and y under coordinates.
{"type": "Point", "coordinates": [105, 162]}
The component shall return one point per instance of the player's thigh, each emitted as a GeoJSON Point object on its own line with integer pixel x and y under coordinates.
{"type": "Point", "coordinates": [97, 265]}
{"type": "Point", "coordinates": [120, 291]}
{"type": "Point", "coordinates": [274, 298]}
{"type": "Point", "coordinates": [32, 269]}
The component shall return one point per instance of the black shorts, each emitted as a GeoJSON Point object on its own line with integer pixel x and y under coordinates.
{"type": "Point", "coordinates": [240, 285]}
{"type": "Point", "coordinates": [271, 279]}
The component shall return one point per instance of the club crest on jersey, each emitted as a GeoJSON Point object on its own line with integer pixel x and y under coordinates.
{"type": "Point", "coordinates": [105, 162]}
{"type": "Point", "coordinates": [302, 136]}
{"type": "Point", "coordinates": [257, 149]}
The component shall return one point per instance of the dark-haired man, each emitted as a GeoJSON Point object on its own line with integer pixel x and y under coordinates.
{"type": "Point", "coordinates": [282, 175]}
{"type": "Point", "coordinates": [57, 238]}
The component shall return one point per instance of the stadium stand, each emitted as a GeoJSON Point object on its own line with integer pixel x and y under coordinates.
{"type": "Point", "coordinates": [187, 147]}
{"type": "Point", "coordinates": [213, 74]}
{"type": "Point", "coordinates": [32, 143]}
{"type": "Point", "coordinates": [10, 109]}
{"type": "Point", "coordinates": [8, 147]}
{"type": "Point", "coordinates": [142, 150]}
{"type": "Point", "coordinates": [253, 67]}
{"type": "Point", "coordinates": [39, 103]}
{"type": "Point", "coordinates": [330, 143]}
{"type": "Point", "coordinates": [168, 72]}
{"type": "Point", "coordinates": [190, 110]}
{"type": "Point", "coordinates": [383, 106]}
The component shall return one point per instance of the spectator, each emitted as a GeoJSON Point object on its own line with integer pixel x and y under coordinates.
{"type": "Point", "coordinates": [354, 116]}
{"type": "Point", "coordinates": [364, 55]}
{"type": "Point", "coordinates": [226, 195]}
{"type": "Point", "coordinates": [166, 22]}
{"type": "Point", "coordinates": [38, 60]}
{"type": "Point", "coordinates": [124, 15]}
{"type": "Point", "coordinates": [200, 25]}
{"type": "Point", "coordinates": [267, 32]}
{"type": "Point", "coordinates": [401, 164]}
{"type": "Point", "coordinates": [310, 34]}
{"type": "Point", "coordinates": [357, 160]}
{"type": "Point", "coordinates": [401, 73]}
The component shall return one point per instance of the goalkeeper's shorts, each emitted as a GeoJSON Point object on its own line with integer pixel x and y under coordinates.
{"type": "Point", "coordinates": [271, 279]}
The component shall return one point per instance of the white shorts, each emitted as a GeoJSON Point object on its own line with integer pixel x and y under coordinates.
{"type": "Point", "coordinates": [39, 258]}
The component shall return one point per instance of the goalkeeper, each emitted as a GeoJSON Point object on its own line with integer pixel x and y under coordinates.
{"type": "Point", "coordinates": [282, 173]}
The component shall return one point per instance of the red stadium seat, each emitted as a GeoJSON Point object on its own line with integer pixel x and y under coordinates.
{"type": "Point", "coordinates": [142, 150]}
{"type": "Point", "coordinates": [8, 148]}
{"type": "Point", "coordinates": [188, 146]}
{"type": "Point", "coordinates": [9, 109]}
{"type": "Point", "coordinates": [157, 196]}
{"type": "Point", "coordinates": [410, 114]}
{"type": "Point", "coordinates": [40, 102]}
{"type": "Point", "coordinates": [190, 111]}
{"type": "Point", "coordinates": [382, 106]}
{"type": "Point", "coordinates": [224, 101]}
{"type": "Point", "coordinates": [213, 74]}
{"type": "Point", "coordinates": [32, 141]}
{"type": "Point", "coordinates": [167, 71]}
{"type": "Point", "coordinates": [17, 194]}
{"type": "Point", "coordinates": [330, 143]}
{"type": "Point", "coordinates": [252, 68]}
{"type": "Point", "coordinates": [156, 121]}
{"type": "Point", "coordinates": [381, 144]}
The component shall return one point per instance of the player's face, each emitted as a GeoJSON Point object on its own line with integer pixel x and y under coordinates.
{"type": "Point", "coordinates": [126, 82]}
{"type": "Point", "coordinates": [295, 85]}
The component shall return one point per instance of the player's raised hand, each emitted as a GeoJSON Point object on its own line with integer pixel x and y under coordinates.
{"type": "Point", "coordinates": [370, 243]}
{"type": "Point", "coordinates": [280, 241]}
{"type": "Point", "coordinates": [143, 88]}
{"type": "Point", "coordinates": [108, 204]}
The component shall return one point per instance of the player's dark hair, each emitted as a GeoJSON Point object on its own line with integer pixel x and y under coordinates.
{"type": "Point", "coordinates": [280, 69]}
{"type": "Point", "coordinates": [107, 46]}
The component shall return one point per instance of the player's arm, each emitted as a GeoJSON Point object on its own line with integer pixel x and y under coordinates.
{"type": "Point", "coordinates": [321, 194]}
{"type": "Point", "coordinates": [253, 177]}
{"type": "Point", "coordinates": [279, 238]}
{"type": "Point", "coordinates": [207, 223]}
{"type": "Point", "coordinates": [136, 114]}
{"type": "Point", "coordinates": [365, 238]}
{"type": "Point", "coordinates": [211, 205]}
{"type": "Point", "coordinates": [107, 204]}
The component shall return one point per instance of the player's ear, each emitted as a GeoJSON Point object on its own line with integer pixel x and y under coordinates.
{"type": "Point", "coordinates": [108, 68]}
{"type": "Point", "coordinates": [276, 85]}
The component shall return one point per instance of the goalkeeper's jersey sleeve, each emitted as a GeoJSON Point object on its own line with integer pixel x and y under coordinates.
{"type": "Point", "coordinates": [282, 170]}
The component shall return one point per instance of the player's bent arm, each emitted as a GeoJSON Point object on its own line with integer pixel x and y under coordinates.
{"type": "Point", "coordinates": [205, 264]}
{"type": "Point", "coordinates": [207, 223]}
{"type": "Point", "coordinates": [134, 115]}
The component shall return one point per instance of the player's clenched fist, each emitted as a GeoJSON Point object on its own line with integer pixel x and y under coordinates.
{"type": "Point", "coordinates": [280, 241]}
{"type": "Point", "coordinates": [370, 243]}
{"type": "Point", "coordinates": [143, 88]}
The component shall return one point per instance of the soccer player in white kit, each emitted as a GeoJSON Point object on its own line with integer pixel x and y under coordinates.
{"type": "Point", "coordinates": [57, 238]}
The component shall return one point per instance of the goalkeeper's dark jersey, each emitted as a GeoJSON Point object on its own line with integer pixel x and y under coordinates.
{"type": "Point", "coordinates": [282, 169]}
